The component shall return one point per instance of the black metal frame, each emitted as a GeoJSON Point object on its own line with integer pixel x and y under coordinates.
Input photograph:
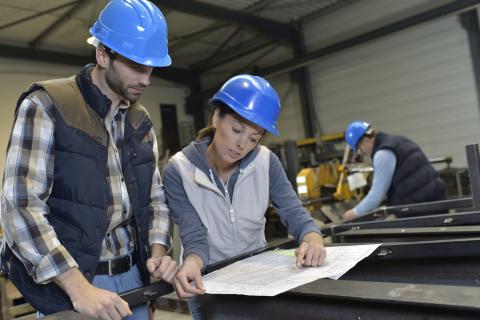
{"type": "Point", "coordinates": [473, 160]}
{"type": "Point", "coordinates": [436, 220]}
{"type": "Point", "coordinates": [407, 234]}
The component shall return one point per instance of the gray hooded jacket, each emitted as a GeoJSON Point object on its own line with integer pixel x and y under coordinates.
{"type": "Point", "coordinates": [218, 222]}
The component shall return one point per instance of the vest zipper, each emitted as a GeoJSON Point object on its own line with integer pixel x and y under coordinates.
{"type": "Point", "coordinates": [230, 205]}
{"type": "Point", "coordinates": [226, 196]}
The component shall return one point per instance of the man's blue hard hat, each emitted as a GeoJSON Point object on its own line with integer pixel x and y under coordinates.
{"type": "Point", "coordinates": [135, 29]}
{"type": "Point", "coordinates": [355, 131]}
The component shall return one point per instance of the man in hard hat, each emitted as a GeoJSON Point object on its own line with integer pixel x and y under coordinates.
{"type": "Point", "coordinates": [84, 212]}
{"type": "Point", "coordinates": [401, 172]}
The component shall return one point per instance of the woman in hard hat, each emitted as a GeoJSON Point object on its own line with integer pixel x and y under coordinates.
{"type": "Point", "coordinates": [402, 173]}
{"type": "Point", "coordinates": [219, 187]}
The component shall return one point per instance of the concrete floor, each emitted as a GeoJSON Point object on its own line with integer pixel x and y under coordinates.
{"type": "Point", "coordinates": [170, 315]}
{"type": "Point", "coordinates": [170, 307]}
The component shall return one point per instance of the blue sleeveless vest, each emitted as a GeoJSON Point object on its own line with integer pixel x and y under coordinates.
{"type": "Point", "coordinates": [414, 180]}
{"type": "Point", "coordinates": [78, 201]}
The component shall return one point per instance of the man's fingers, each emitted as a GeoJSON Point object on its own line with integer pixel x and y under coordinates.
{"type": "Point", "coordinates": [104, 316]}
{"type": "Point", "coordinates": [122, 307]}
{"type": "Point", "coordinates": [171, 272]}
{"type": "Point", "coordinates": [113, 313]}
{"type": "Point", "coordinates": [152, 265]}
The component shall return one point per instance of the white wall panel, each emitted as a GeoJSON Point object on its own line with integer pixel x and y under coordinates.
{"type": "Point", "coordinates": [417, 83]}
{"type": "Point", "coordinates": [360, 17]}
{"type": "Point", "coordinates": [290, 123]}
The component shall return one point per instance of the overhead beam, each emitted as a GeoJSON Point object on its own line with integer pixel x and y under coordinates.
{"type": "Point", "coordinates": [276, 30]}
{"type": "Point", "coordinates": [187, 39]}
{"type": "Point", "coordinates": [58, 23]}
{"type": "Point", "coordinates": [36, 15]}
{"type": "Point", "coordinates": [220, 49]}
{"type": "Point", "coordinates": [177, 75]}
{"type": "Point", "coordinates": [316, 55]}
{"type": "Point", "coordinates": [233, 54]}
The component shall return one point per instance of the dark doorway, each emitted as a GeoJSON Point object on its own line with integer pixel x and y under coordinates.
{"type": "Point", "coordinates": [171, 140]}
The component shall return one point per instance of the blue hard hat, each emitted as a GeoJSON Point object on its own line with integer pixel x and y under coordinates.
{"type": "Point", "coordinates": [253, 98]}
{"type": "Point", "coordinates": [135, 29]}
{"type": "Point", "coordinates": [355, 131]}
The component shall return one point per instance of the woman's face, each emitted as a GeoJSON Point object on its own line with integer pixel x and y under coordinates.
{"type": "Point", "coordinates": [234, 137]}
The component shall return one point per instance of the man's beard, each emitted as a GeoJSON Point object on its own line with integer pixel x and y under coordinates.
{"type": "Point", "coordinates": [117, 85]}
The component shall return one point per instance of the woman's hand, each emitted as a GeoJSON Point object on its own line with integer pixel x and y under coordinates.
{"type": "Point", "coordinates": [188, 281]}
{"type": "Point", "coordinates": [311, 252]}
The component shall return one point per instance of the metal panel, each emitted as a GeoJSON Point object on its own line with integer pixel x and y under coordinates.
{"type": "Point", "coordinates": [417, 83]}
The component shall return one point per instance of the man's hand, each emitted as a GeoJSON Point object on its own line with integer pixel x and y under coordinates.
{"type": "Point", "coordinates": [160, 265]}
{"type": "Point", "coordinates": [349, 215]}
{"type": "Point", "coordinates": [190, 271]}
{"type": "Point", "coordinates": [311, 252]}
{"type": "Point", "coordinates": [92, 301]}
{"type": "Point", "coordinates": [164, 268]}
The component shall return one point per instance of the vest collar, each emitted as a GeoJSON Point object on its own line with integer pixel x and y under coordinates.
{"type": "Point", "coordinates": [203, 180]}
{"type": "Point", "coordinates": [92, 94]}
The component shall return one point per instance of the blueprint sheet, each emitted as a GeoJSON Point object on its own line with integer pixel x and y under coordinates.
{"type": "Point", "coordinates": [274, 272]}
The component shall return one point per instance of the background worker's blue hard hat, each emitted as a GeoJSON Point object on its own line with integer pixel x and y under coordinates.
{"type": "Point", "coordinates": [253, 98]}
{"type": "Point", "coordinates": [135, 29]}
{"type": "Point", "coordinates": [355, 131]}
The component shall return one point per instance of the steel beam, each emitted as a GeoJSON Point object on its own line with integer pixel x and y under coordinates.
{"type": "Point", "coordinates": [378, 33]}
{"type": "Point", "coordinates": [36, 15]}
{"type": "Point", "coordinates": [276, 30]}
{"type": "Point", "coordinates": [470, 23]}
{"type": "Point", "coordinates": [302, 78]}
{"type": "Point", "coordinates": [407, 234]}
{"type": "Point", "coordinates": [345, 299]}
{"type": "Point", "coordinates": [437, 220]}
{"type": "Point", "coordinates": [473, 160]}
{"type": "Point", "coordinates": [58, 23]}
{"type": "Point", "coordinates": [178, 75]}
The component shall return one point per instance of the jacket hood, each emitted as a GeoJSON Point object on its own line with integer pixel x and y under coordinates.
{"type": "Point", "coordinates": [195, 152]}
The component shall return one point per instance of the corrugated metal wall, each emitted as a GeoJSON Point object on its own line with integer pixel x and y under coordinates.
{"type": "Point", "coordinates": [417, 83]}
{"type": "Point", "coordinates": [290, 122]}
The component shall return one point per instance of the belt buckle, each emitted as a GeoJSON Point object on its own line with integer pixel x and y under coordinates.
{"type": "Point", "coordinates": [110, 268]}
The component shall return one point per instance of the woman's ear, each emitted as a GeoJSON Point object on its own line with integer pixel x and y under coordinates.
{"type": "Point", "coordinates": [215, 118]}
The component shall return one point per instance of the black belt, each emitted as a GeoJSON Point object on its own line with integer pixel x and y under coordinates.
{"type": "Point", "coordinates": [116, 266]}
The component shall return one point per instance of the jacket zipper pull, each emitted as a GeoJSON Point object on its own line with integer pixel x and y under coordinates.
{"type": "Point", "coordinates": [232, 216]}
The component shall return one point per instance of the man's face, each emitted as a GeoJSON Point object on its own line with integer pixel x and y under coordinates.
{"type": "Point", "coordinates": [365, 146]}
{"type": "Point", "coordinates": [127, 78]}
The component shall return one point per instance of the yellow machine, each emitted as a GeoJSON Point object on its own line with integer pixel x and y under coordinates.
{"type": "Point", "coordinates": [328, 177]}
{"type": "Point", "coordinates": [327, 181]}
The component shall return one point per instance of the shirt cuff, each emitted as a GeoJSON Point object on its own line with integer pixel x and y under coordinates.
{"type": "Point", "coordinates": [53, 264]}
{"type": "Point", "coordinates": [308, 230]}
{"type": "Point", "coordinates": [156, 238]}
{"type": "Point", "coordinates": [355, 212]}
{"type": "Point", "coordinates": [203, 255]}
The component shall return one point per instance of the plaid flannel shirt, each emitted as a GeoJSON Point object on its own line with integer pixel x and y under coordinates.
{"type": "Point", "coordinates": [27, 184]}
